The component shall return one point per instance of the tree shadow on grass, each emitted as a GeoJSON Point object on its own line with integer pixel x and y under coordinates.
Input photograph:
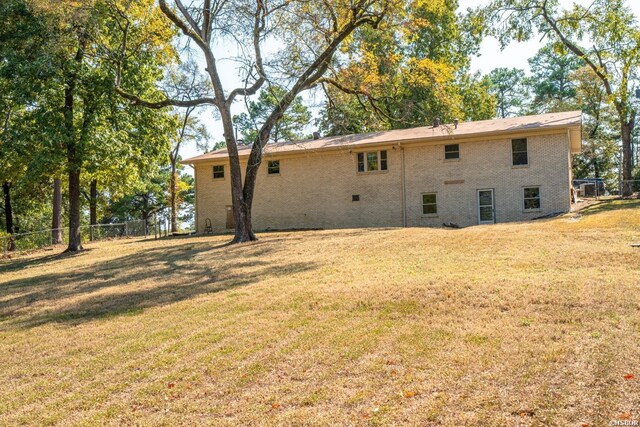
{"type": "Point", "coordinates": [610, 205]}
{"type": "Point", "coordinates": [132, 283]}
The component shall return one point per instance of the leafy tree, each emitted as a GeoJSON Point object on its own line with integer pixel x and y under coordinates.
{"type": "Point", "coordinates": [190, 131]}
{"type": "Point", "coordinates": [148, 196]}
{"type": "Point", "coordinates": [509, 90]}
{"type": "Point", "coordinates": [308, 35]}
{"type": "Point", "coordinates": [411, 71]}
{"type": "Point", "coordinates": [289, 127]}
{"type": "Point", "coordinates": [79, 111]}
{"type": "Point", "coordinates": [599, 156]}
{"type": "Point", "coordinates": [605, 36]}
{"type": "Point", "coordinates": [551, 80]}
{"type": "Point", "coordinates": [24, 66]}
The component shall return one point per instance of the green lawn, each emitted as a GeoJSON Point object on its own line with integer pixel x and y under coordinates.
{"type": "Point", "coordinates": [529, 324]}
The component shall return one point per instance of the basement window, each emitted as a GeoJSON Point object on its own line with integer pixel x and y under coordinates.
{"type": "Point", "coordinates": [451, 151]}
{"type": "Point", "coordinates": [429, 204]}
{"type": "Point", "coordinates": [273, 167]}
{"type": "Point", "coordinates": [218, 172]}
{"type": "Point", "coordinates": [519, 153]}
{"type": "Point", "coordinates": [355, 198]}
{"type": "Point", "coordinates": [372, 161]}
{"type": "Point", "coordinates": [531, 198]}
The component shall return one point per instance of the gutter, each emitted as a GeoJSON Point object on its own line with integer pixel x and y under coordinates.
{"type": "Point", "coordinates": [403, 185]}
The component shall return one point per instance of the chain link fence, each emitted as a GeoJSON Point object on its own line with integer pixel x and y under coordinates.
{"type": "Point", "coordinates": [25, 242]}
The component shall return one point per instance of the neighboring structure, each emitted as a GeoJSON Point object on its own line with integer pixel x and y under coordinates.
{"type": "Point", "coordinates": [512, 169]}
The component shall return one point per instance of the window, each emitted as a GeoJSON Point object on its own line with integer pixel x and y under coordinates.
{"type": "Point", "coordinates": [429, 205]}
{"type": "Point", "coordinates": [519, 152]}
{"type": "Point", "coordinates": [218, 172]}
{"type": "Point", "coordinates": [273, 167]}
{"type": "Point", "coordinates": [531, 198]}
{"type": "Point", "coordinates": [372, 161]}
{"type": "Point", "coordinates": [452, 151]}
{"type": "Point", "coordinates": [355, 198]}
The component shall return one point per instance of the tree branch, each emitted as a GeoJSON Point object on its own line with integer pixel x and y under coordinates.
{"type": "Point", "coordinates": [258, 28]}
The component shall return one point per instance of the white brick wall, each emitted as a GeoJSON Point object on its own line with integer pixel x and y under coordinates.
{"type": "Point", "coordinates": [314, 189]}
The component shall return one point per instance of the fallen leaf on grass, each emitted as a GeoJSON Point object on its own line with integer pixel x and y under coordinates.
{"type": "Point", "coordinates": [629, 376]}
{"type": "Point", "coordinates": [276, 406]}
{"type": "Point", "coordinates": [625, 416]}
{"type": "Point", "coordinates": [409, 393]}
{"type": "Point", "coordinates": [171, 385]}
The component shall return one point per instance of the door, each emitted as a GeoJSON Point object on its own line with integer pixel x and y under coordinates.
{"type": "Point", "coordinates": [230, 220]}
{"type": "Point", "coordinates": [486, 208]}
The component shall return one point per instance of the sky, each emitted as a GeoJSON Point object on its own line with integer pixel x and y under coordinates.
{"type": "Point", "coordinates": [490, 56]}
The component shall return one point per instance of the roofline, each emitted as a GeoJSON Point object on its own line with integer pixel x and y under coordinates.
{"type": "Point", "coordinates": [539, 130]}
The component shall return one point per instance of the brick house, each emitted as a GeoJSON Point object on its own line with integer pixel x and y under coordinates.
{"type": "Point", "coordinates": [513, 169]}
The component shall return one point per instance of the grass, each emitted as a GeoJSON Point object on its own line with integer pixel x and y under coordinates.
{"type": "Point", "coordinates": [530, 324]}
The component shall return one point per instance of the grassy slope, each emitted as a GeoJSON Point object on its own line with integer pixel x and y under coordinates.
{"type": "Point", "coordinates": [512, 324]}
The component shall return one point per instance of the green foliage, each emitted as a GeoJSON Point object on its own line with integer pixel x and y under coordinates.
{"type": "Point", "coordinates": [605, 36]}
{"type": "Point", "coordinates": [408, 72]}
{"type": "Point", "coordinates": [152, 194]}
{"type": "Point", "coordinates": [551, 81]}
{"type": "Point", "coordinates": [508, 88]}
{"type": "Point", "coordinates": [44, 50]}
{"type": "Point", "coordinates": [289, 127]}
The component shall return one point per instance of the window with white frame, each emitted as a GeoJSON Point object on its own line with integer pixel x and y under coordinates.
{"type": "Point", "coordinates": [429, 204]}
{"type": "Point", "coordinates": [218, 172]}
{"type": "Point", "coordinates": [519, 152]}
{"type": "Point", "coordinates": [273, 167]}
{"type": "Point", "coordinates": [531, 198]}
{"type": "Point", "coordinates": [451, 151]}
{"type": "Point", "coordinates": [372, 161]}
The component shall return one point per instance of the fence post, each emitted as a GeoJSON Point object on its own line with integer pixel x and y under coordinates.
{"type": "Point", "coordinates": [125, 229]}
{"type": "Point", "coordinates": [155, 226]}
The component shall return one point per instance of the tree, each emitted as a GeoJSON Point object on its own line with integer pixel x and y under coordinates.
{"type": "Point", "coordinates": [191, 130]}
{"type": "Point", "coordinates": [551, 82]}
{"type": "Point", "coordinates": [148, 196]}
{"type": "Point", "coordinates": [80, 110]}
{"type": "Point", "coordinates": [289, 127]}
{"type": "Point", "coordinates": [599, 156]}
{"type": "Point", "coordinates": [23, 69]}
{"type": "Point", "coordinates": [309, 33]}
{"type": "Point", "coordinates": [507, 86]}
{"type": "Point", "coordinates": [605, 36]}
{"type": "Point", "coordinates": [412, 71]}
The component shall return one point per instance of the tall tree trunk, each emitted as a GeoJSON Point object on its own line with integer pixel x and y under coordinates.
{"type": "Point", "coordinates": [93, 202]}
{"type": "Point", "coordinates": [74, 161]}
{"type": "Point", "coordinates": [93, 206]}
{"type": "Point", "coordinates": [8, 213]}
{"type": "Point", "coordinates": [173, 190]}
{"type": "Point", "coordinates": [241, 209]}
{"type": "Point", "coordinates": [56, 223]}
{"type": "Point", "coordinates": [627, 129]}
{"type": "Point", "coordinates": [75, 242]}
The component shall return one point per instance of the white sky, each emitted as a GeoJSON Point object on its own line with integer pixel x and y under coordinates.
{"type": "Point", "coordinates": [490, 57]}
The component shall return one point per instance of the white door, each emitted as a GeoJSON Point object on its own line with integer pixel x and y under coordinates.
{"type": "Point", "coordinates": [486, 208]}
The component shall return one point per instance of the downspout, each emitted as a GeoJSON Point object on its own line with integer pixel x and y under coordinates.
{"type": "Point", "coordinates": [570, 169]}
{"type": "Point", "coordinates": [403, 186]}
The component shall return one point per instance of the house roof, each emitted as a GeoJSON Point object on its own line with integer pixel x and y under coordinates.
{"type": "Point", "coordinates": [567, 120]}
